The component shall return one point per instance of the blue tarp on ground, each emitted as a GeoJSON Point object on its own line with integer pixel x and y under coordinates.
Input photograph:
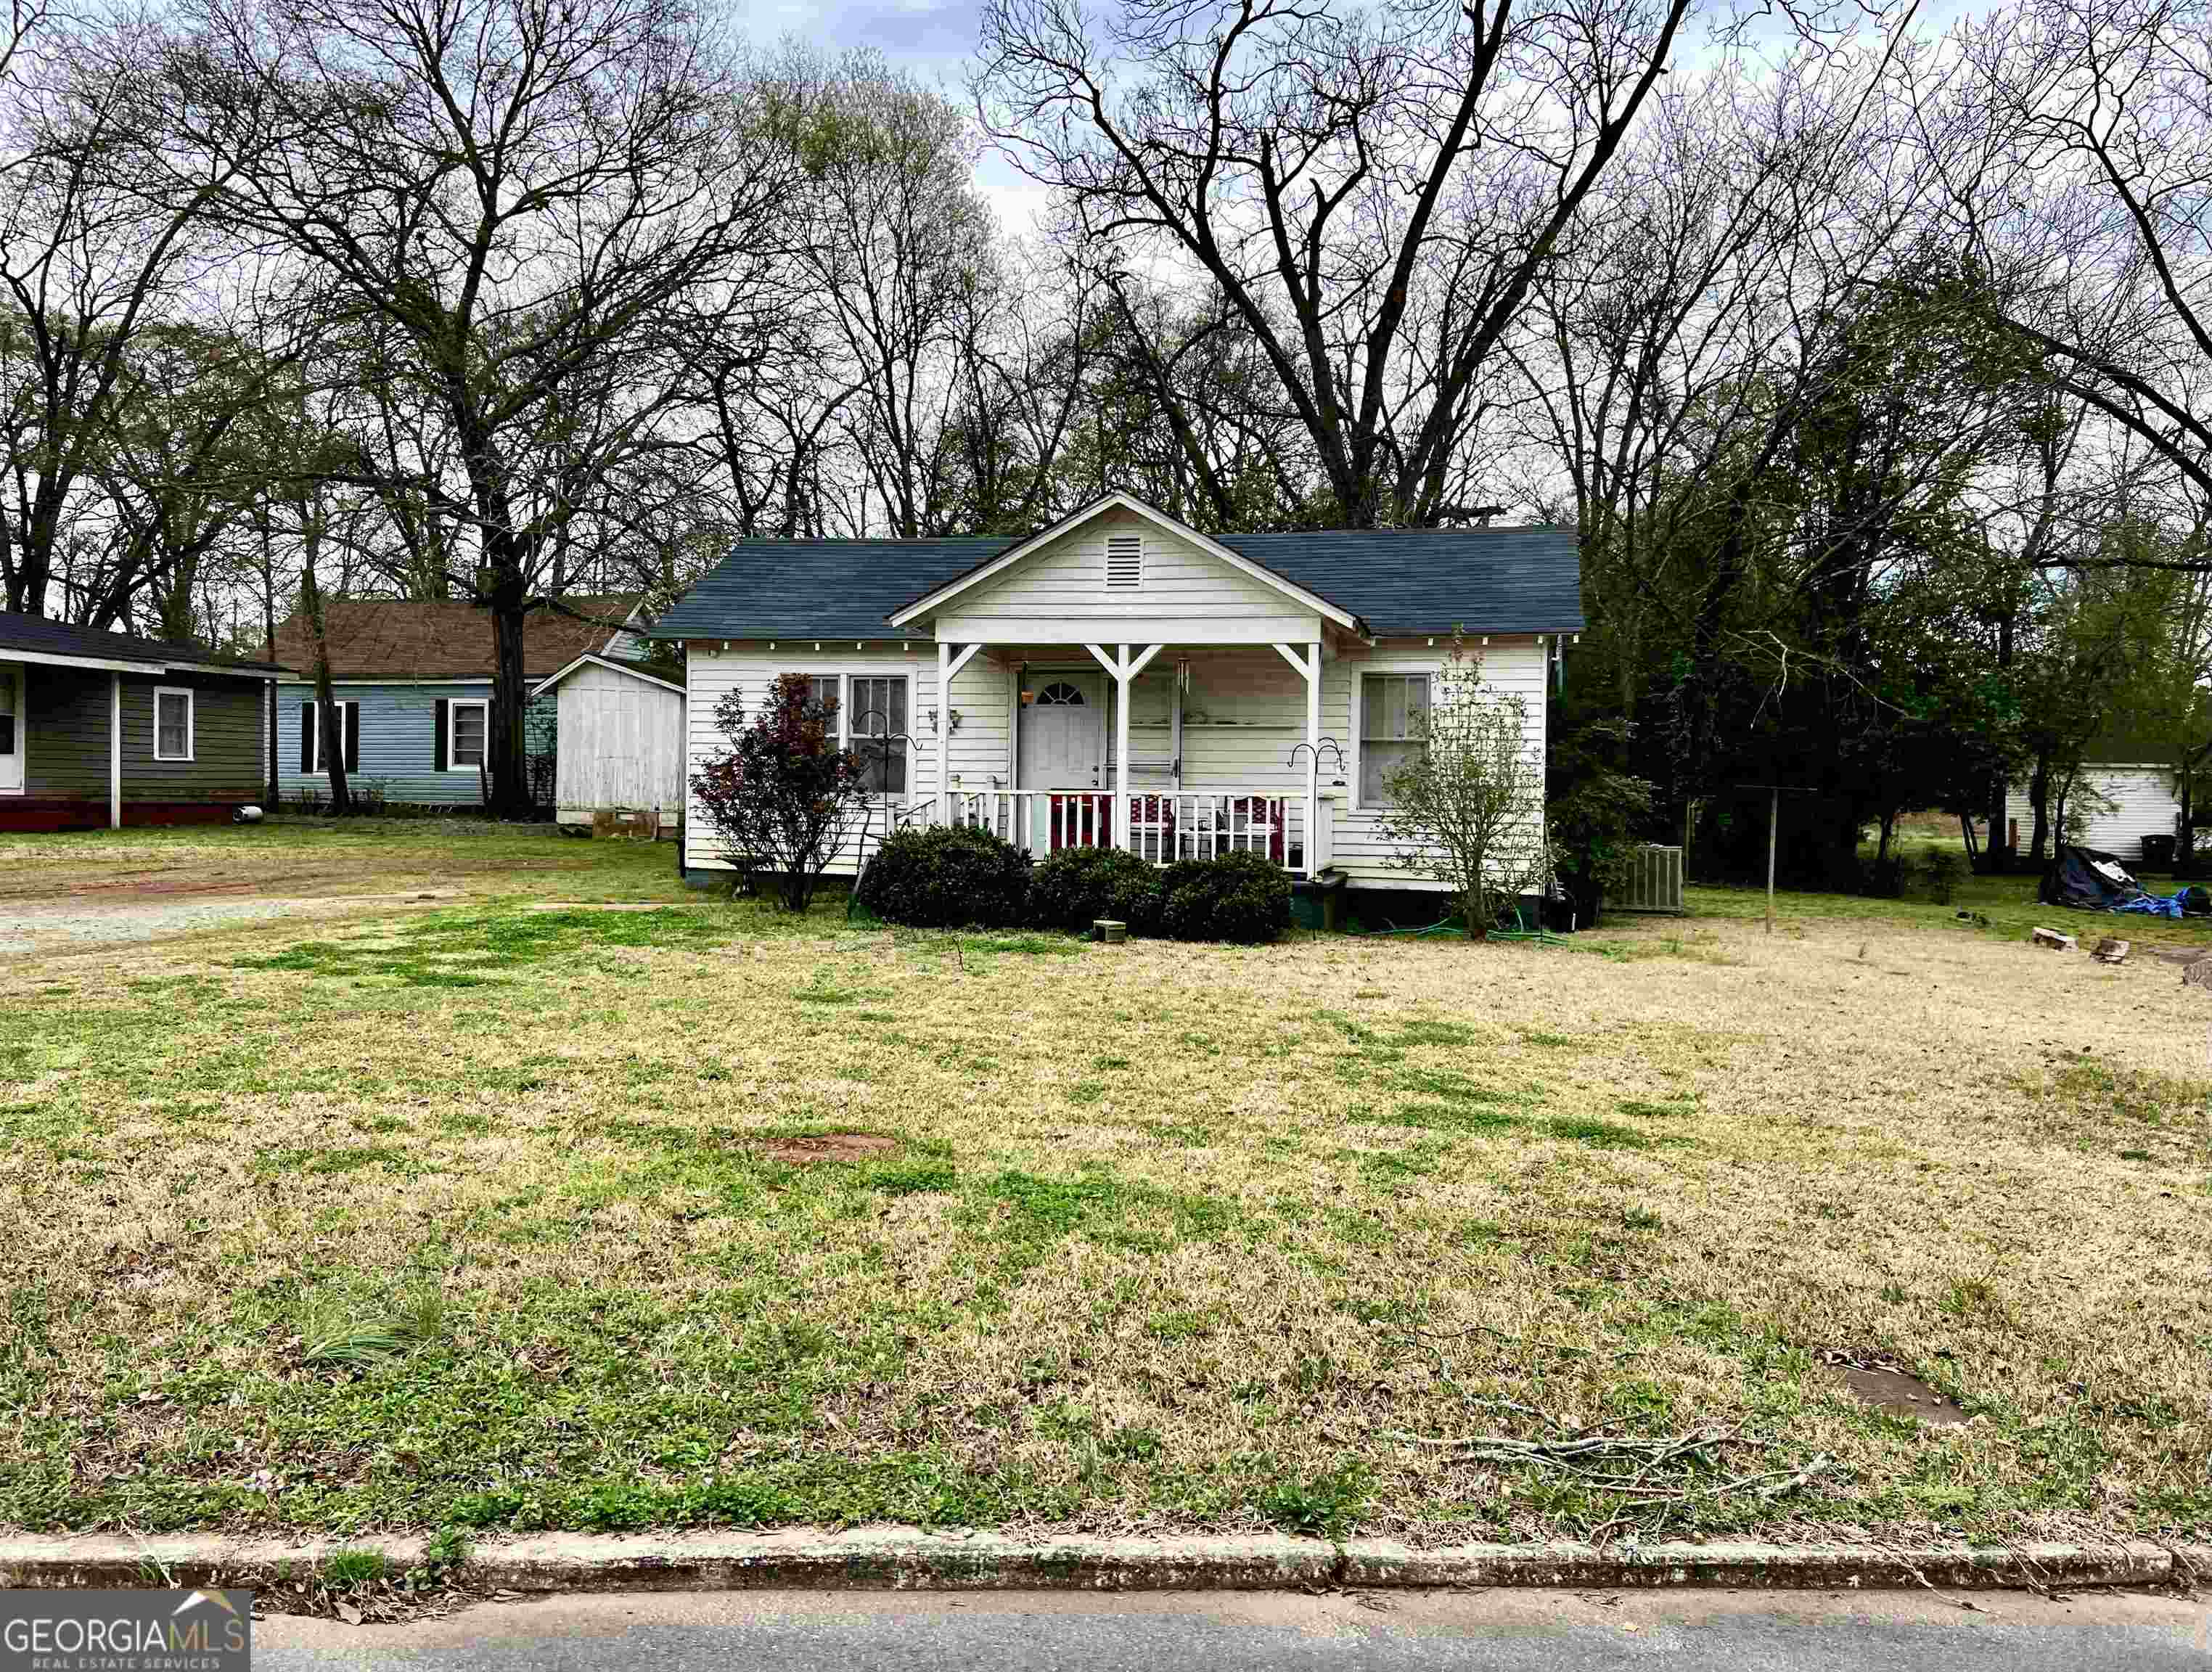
{"type": "Point", "coordinates": [2086, 880]}
{"type": "Point", "coordinates": [2153, 905]}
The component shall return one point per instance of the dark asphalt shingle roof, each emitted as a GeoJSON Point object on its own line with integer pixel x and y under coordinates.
{"type": "Point", "coordinates": [41, 636]}
{"type": "Point", "coordinates": [1397, 581]}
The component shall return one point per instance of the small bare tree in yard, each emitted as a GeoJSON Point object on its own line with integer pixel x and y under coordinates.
{"type": "Point", "coordinates": [782, 798]}
{"type": "Point", "coordinates": [1467, 807]}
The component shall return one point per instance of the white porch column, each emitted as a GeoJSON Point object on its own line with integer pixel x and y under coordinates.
{"type": "Point", "coordinates": [1308, 665]}
{"type": "Point", "coordinates": [948, 664]}
{"type": "Point", "coordinates": [1125, 670]}
{"type": "Point", "coordinates": [114, 751]}
{"type": "Point", "coordinates": [944, 733]}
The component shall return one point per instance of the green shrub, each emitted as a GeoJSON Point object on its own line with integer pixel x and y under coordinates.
{"type": "Point", "coordinates": [1940, 871]}
{"type": "Point", "coordinates": [1075, 887]}
{"type": "Point", "coordinates": [1239, 897]}
{"type": "Point", "coordinates": [947, 875]}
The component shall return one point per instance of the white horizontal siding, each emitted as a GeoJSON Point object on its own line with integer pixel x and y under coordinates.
{"type": "Point", "coordinates": [2112, 808]}
{"type": "Point", "coordinates": [978, 755]}
{"type": "Point", "coordinates": [1358, 845]}
{"type": "Point", "coordinates": [1067, 577]}
{"type": "Point", "coordinates": [1243, 715]}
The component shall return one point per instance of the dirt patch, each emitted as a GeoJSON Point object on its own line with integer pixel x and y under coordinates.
{"type": "Point", "coordinates": [827, 1146]}
{"type": "Point", "coordinates": [2184, 954]}
{"type": "Point", "coordinates": [1888, 1386]}
{"type": "Point", "coordinates": [77, 921]}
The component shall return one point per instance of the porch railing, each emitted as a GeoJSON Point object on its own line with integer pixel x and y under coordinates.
{"type": "Point", "coordinates": [1163, 825]}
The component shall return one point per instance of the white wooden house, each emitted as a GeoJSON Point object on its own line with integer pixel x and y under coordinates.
{"type": "Point", "coordinates": [1123, 677]}
{"type": "Point", "coordinates": [2113, 805]}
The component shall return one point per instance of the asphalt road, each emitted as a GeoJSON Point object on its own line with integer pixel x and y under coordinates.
{"type": "Point", "coordinates": [1495, 1630]}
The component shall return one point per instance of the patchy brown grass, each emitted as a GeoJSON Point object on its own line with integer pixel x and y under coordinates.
{"type": "Point", "coordinates": [1158, 1235]}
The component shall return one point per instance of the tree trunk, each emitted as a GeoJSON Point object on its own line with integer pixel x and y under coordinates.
{"type": "Point", "coordinates": [330, 722]}
{"type": "Point", "coordinates": [509, 775]}
{"type": "Point", "coordinates": [2038, 799]}
{"type": "Point", "coordinates": [1998, 853]}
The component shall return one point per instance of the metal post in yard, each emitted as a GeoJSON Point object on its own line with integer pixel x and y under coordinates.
{"type": "Point", "coordinates": [1773, 822]}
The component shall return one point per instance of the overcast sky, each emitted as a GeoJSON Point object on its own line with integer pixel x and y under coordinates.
{"type": "Point", "coordinates": [934, 39]}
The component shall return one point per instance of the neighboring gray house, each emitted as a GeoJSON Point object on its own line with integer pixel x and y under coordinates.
{"type": "Point", "coordinates": [415, 681]}
{"type": "Point", "coordinates": [102, 729]}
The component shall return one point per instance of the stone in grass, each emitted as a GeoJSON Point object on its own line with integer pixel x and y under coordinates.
{"type": "Point", "coordinates": [2109, 951]}
{"type": "Point", "coordinates": [2057, 939]}
{"type": "Point", "coordinates": [1111, 931]}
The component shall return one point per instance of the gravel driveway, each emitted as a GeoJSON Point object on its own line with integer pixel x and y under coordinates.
{"type": "Point", "coordinates": [67, 924]}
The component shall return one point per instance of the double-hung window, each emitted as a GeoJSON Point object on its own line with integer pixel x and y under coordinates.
{"type": "Point", "coordinates": [1393, 730]}
{"type": "Point", "coordinates": [472, 736]}
{"type": "Point", "coordinates": [311, 739]}
{"type": "Point", "coordinates": [173, 724]}
{"type": "Point", "coordinates": [876, 725]}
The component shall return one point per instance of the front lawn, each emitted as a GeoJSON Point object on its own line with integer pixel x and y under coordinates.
{"type": "Point", "coordinates": [500, 1217]}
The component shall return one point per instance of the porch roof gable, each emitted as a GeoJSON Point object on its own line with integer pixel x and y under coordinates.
{"type": "Point", "coordinates": [992, 568]}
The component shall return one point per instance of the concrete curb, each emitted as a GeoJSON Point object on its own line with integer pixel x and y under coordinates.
{"type": "Point", "coordinates": [896, 1558]}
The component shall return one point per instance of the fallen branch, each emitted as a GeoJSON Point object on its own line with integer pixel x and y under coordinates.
{"type": "Point", "coordinates": [1629, 1470]}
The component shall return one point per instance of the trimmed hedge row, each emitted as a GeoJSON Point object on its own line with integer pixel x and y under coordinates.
{"type": "Point", "coordinates": [943, 876]}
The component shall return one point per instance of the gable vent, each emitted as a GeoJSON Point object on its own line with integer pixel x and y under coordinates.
{"type": "Point", "coordinates": [1125, 560]}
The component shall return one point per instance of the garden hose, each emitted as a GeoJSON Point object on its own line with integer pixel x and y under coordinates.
{"type": "Point", "coordinates": [1520, 931]}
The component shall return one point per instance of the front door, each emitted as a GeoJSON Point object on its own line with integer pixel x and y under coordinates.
{"type": "Point", "coordinates": [1063, 732]}
{"type": "Point", "coordinates": [1063, 745]}
{"type": "Point", "coordinates": [11, 728]}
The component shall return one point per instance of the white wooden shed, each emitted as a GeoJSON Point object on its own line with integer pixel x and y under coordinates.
{"type": "Point", "coordinates": [620, 764]}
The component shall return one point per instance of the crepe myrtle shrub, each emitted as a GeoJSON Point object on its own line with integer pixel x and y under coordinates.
{"type": "Point", "coordinates": [947, 875]}
{"type": "Point", "coordinates": [1467, 807]}
{"type": "Point", "coordinates": [782, 798]}
{"type": "Point", "coordinates": [1074, 888]}
{"type": "Point", "coordinates": [1238, 897]}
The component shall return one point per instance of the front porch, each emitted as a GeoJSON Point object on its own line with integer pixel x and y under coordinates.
{"type": "Point", "coordinates": [1103, 754]}
{"type": "Point", "coordinates": [1291, 828]}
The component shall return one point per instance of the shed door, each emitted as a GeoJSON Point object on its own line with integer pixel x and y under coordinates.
{"type": "Point", "coordinates": [11, 729]}
{"type": "Point", "coordinates": [1063, 733]}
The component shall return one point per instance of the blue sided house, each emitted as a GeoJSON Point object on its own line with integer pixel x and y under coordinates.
{"type": "Point", "coordinates": [415, 682]}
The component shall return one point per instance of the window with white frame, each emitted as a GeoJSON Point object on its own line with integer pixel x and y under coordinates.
{"type": "Point", "coordinates": [877, 730]}
{"type": "Point", "coordinates": [1394, 729]}
{"type": "Point", "coordinates": [173, 724]}
{"type": "Point", "coordinates": [822, 687]}
{"type": "Point", "coordinates": [472, 736]}
{"type": "Point", "coordinates": [349, 733]}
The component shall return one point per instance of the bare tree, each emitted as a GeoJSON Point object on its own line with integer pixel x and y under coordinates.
{"type": "Point", "coordinates": [2094, 118]}
{"type": "Point", "coordinates": [1373, 190]}
{"type": "Point", "coordinates": [101, 235]}
{"type": "Point", "coordinates": [535, 202]}
{"type": "Point", "coordinates": [897, 250]}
